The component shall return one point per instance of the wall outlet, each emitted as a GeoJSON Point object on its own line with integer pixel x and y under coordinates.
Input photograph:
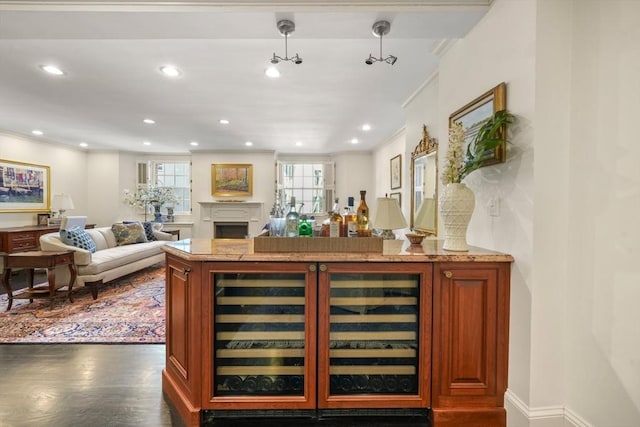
{"type": "Point", "coordinates": [494, 206]}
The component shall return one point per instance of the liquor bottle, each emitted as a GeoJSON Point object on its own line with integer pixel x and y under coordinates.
{"type": "Point", "coordinates": [363, 215]}
{"type": "Point", "coordinates": [304, 229]}
{"type": "Point", "coordinates": [350, 220]}
{"type": "Point", "coordinates": [335, 221]}
{"type": "Point", "coordinates": [292, 219]}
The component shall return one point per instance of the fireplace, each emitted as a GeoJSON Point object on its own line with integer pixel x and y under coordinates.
{"type": "Point", "coordinates": [230, 230]}
{"type": "Point", "coordinates": [231, 220]}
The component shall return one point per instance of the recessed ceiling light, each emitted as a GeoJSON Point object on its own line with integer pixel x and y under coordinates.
{"type": "Point", "coordinates": [354, 141]}
{"type": "Point", "coordinates": [83, 144]}
{"type": "Point", "coordinates": [37, 132]}
{"type": "Point", "coordinates": [224, 121]}
{"type": "Point", "coordinates": [149, 121]}
{"type": "Point", "coordinates": [170, 71]}
{"type": "Point", "coordinates": [366, 127]}
{"type": "Point", "coordinates": [272, 72]}
{"type": "Point", "coordinates": [146, 143]}
{"type": "Point", "coordinates": [248, 143]}
{"type": "Point", "coordinates": [194, 143]}
{"type": "Point", "coordinates": [52, 69]}
{"type": "Point", "coordinates": [298, 143]}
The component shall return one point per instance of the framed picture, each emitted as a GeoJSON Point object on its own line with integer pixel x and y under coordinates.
{"type": "Point", "coordinates": [43, 219]}
{"type": "Point", "coordinates": [397, 196]}
{"type": "Point", "coordinates": [231, 179]}
{"type": "Point", "coordinates": [474, 114]}
{"type": "Point", "coordinates": [396, 172]}
{"type": "Point", "coordinates": [24, 187]}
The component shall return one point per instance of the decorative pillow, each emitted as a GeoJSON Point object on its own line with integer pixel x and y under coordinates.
{"type": "Point", "coordinates": [128, 234]}
{"type": "Point", "coordinates": [76, 236]}
{"type": "Point", "coordinates": [148, 231]}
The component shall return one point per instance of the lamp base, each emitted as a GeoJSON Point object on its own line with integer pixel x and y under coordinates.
{"type": "Point", "coordinates": [388, 235]}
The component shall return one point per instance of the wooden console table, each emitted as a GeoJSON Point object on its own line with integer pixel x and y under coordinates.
{"type": "Point", "coordinates": [412, 332]}
{"type": "Point", "coordinates": [48, 260]}
{"type": "Point", "coordinates": [22, 239]}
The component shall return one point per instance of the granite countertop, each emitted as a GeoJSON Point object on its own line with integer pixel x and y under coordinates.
{"type": "Point", "coordinates": [393, 251]}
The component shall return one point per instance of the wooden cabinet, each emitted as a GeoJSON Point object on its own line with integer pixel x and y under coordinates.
{"type": "Point", "coordinates": [324, 339]}
{"type": "Point", "coordinates": [470, 343]}
{"type": "Point", "coordinates": [22, 239]}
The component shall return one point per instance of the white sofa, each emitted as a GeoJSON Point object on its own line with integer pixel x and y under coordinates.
{"type": "Point", "coordinates": [109, 261]}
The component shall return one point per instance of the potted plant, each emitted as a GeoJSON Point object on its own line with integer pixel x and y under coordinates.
{"type": "Point", "coordinates": [457, 201]}
{"type": "Point", "coordinates": [151, 195]}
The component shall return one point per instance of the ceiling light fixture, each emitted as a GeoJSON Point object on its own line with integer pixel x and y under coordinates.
{"type": "Point", "coordinates": [149, 121]}
{"type": "Point", "coordinates": [272, 72]}
{"type": "Point", "coordinates": [146, 143]}
{"type": "Point", "coordinates": [52, 69]}
{"type": "Point", "coordinates": [366, 127]}
{"type": "Point", "coordinates": [248, 143]}
{"type": "Point", "coordinates": [381, 28]}
{"type": "Point", "coordinates": [194, 143]}
{"type": "Point", "coordinates": [223, 121]}
{"type": "Point", "coordinates": [354, 141]}
{"type": "Point", "coordinates": [84, 145]}
{"type": "Point", "coordinates": [286, 27]}
{"type": "Point", "coordinates": [37, 132]}
{"type": "Point", "coordinates": [170, 71]}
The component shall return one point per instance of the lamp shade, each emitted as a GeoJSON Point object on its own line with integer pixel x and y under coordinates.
{"type": "Point", "coordinates": [426, 216]}
{"type": "Point", "coordinates": [62, 202]}
{"type": "Point", "coordinates": [388, 215]}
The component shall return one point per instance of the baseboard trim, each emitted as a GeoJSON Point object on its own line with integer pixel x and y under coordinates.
{"type": "Point", "coordinates": [561, 413]}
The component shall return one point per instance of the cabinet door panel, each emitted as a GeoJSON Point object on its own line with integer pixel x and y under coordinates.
{"type": "Point", "coordinates": [374, 341]}
{"type": "Point", "coordinates": [470, 334]}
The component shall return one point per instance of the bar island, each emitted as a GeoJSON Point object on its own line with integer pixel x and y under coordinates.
{"type": "Point", "coordinates": [414, 332]}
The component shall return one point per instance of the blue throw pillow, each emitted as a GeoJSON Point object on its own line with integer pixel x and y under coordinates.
{"type": "Point", "coordinates": [148, 230]}
{"type": "Point", "coordinates": [76, 236]}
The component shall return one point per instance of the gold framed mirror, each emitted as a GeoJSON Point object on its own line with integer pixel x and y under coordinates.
{"type": "Point", "coordinates": [424, 185]}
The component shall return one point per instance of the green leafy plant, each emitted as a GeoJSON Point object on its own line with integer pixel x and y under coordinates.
{"type": "Point", "coordinates": [490, 136]}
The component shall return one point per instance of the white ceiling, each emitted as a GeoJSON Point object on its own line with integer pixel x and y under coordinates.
{"type": "Point", "coordinates": [112, 52]}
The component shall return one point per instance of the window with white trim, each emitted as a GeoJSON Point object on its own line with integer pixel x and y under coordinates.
{"type": "Point", "coordinates": [311, 183]}
{"type": "Point", "coordinates": [171, 174]}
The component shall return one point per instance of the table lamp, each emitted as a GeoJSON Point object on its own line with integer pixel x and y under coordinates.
{"type": "Point", "coordinates": [61, 202]}
{"type": "Point", "coordinates": [388, 217]}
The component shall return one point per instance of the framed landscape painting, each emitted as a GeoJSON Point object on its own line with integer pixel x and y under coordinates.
{"type": "Point", "coordinates": [474, 114]}
{"type": "Point", "coordinates": [24, 187]}
{"type": "Point", "coordinates": [231, 179]}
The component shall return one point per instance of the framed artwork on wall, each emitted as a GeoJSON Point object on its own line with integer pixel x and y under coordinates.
{"type": "Point", "coordinates": [396, 172]}
{"type": "Point", "coordinates": [24, 187]}
{"type": "Point", "coordinates": [231, 179]}
{"type": "Point", "coordinates": [475, 113]}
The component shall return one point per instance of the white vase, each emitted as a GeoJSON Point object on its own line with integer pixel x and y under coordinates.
{"type": "Point", "coordinates": [456, 204]}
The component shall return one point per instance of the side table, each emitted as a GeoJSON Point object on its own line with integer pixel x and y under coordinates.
{"type": "Point", "coordinates": [39, 259]}
{"type": "Point", "coordinates": [175, 232]}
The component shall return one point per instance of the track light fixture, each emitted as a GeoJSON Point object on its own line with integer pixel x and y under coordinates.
{"type": "Point", "coordinates": [286, 27]}
{"type": "Point", "coordinates": [381, 28]}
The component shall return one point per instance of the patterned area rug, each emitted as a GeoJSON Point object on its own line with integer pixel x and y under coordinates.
{"type": "Point", "coordinates": [128, 310]}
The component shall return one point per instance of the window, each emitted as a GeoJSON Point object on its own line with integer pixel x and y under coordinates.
{"type": "Point", "coordinates": [172, 174]}
{"type": "Point", "coordinates": [311, 183]}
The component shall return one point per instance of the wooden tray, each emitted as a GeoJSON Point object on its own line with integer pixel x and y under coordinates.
{"type": "Point", "coordinates": [318, 244]}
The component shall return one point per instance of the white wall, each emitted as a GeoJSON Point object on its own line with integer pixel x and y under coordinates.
{"type": "Point", "coordinates": [603, 196]}
{"type": "Point", "coordinates": [382, 177]}
{"type": "Point", "coordinates": [68, 168]}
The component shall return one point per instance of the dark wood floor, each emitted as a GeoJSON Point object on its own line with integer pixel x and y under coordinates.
{"type": "Point", "coordinates": [99, 385]}
{"type": "Point", "coordinates": [82, 385]}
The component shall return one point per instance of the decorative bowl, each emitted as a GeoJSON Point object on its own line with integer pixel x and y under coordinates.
{"type": "Point", "coordinates": [415, 238]}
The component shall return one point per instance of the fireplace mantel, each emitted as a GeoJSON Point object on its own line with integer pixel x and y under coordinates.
{"type": "Point", "coordinates": [250, 212]}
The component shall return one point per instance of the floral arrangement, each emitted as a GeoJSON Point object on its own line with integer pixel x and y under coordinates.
{"type": "Point", "coordinates": [150, 195]}
{"type": "Point", "coordinates": [489, 137]}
